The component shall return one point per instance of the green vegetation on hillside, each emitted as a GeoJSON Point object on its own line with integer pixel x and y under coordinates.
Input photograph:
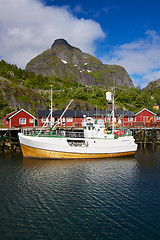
{"type": "Point", "coordinates": [30, 79]}
{"type": "Point", "coordinates": [4, 108]}
{"type": "Point", "coordinates": [133, 99]}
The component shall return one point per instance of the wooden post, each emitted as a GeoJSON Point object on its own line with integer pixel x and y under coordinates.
{"type": "Point", "coordinates": [144, 139]}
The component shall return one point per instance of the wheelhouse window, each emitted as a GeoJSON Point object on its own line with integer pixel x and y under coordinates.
{"type": "Point", "coordinates": [22, 121]}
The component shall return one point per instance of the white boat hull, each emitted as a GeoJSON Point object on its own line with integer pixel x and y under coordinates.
{"type": "Point", "coordinates": [59, 148]}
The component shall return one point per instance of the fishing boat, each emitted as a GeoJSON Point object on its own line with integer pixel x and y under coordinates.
{"type": "Point", "coordinates": [95, 142]}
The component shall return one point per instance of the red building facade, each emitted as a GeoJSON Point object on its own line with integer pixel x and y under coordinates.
{"type": "Point", "coordinates": [71, 118]}
{"type": "Point", "coordinates": [19, 118]}
{"type": "Point", "coordinates": [74, 118]}
{"type": "Point", "coordinates": [145, 117]}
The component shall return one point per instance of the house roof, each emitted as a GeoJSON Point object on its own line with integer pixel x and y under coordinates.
{"type": "Point", "coordinates": [68, 113]}
{"type": "Point", "coordinates": [58, 113]}
{"type": "Point", "coordinates": [42, 113]}
{"type": "Point", "coordinates": [125, 113]}
{"type": "Point", "coordinates": [10, 114]}
{"type": "Point", "coordinates": [81, 113]}
{"type": "Point", "coordinates": [19, 112]}
{"type": "Point", "coordinates": [145, 110]}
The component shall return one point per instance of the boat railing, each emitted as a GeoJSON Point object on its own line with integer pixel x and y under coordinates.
{"type": "Point", "coordinates": [33, 132]}
{"type": "Point", "coordinates": [48, 133]}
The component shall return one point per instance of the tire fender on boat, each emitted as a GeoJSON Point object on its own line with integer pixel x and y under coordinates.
{"type": "Point", "coordinates": [105, 130]}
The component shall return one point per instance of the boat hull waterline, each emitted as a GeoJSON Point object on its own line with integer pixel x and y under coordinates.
{"type": "Point", "coordinates": [58, 148]}
{"type": "Point", "coordinates": [30, 152]}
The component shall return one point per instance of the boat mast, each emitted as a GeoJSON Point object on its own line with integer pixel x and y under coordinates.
{"type": "Point", "coordinates": [51, 107]}
{"type": "Point", "coordinates": [50, 114]}
{"type": "Point", "coordinates": [62, 114]}
{"type": "Point", "coordinates": [113, 109]}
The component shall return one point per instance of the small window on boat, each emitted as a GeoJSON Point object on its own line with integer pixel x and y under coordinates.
{"type": "Point", "coordinates": [89, 128]}
{"type": "Point", "coordinates": [76, 143]}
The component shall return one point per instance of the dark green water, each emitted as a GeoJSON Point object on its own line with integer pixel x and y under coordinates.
{"type": "Point", "coordinates": [82, 199]}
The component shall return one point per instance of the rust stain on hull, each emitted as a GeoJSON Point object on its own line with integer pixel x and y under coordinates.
{"type": "Point", "coordinates": [31, 152]}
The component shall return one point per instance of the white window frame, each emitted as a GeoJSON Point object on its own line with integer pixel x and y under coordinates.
{"type": "Point", "coordinates": [45, 120]}
{"type": "Point", "coordinates": [22, 120]}
{"type": "Point", "coordinates": [130, 119]}
{"type": "Point", "coordinates": [64, 120]}
{"type": "Point", "coordinates": [114, 120]}
{"type": "Point", "coordinates": [31, 120]}
{"type": "Point", "coordinates": [69, 119]}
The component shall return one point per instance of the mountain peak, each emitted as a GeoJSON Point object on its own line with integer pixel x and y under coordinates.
{"type": "Point", "coordinates": [64, 61]}
{"type": "Point", "coordinates": [61, 42]}
{"type": "Point", "coordinates": [153, 85]}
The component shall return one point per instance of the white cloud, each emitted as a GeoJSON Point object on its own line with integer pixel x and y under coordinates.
{"type": "Point", "coordinates": [152, 76]}
{"type": "Point", "coordinates": [141, 57]}
{"type": "Point", "coordinates": [27, 28]}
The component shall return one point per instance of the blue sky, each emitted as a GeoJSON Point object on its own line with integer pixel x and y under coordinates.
{"type": "Point", "coordinates": [123, 32]}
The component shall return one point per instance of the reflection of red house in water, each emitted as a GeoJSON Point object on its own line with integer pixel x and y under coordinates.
{"type": "Point", "coordinates": [19, 118]}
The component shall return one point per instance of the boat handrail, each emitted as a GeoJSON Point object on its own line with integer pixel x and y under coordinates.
{"type": "Point", "coordinates": [61, 133]}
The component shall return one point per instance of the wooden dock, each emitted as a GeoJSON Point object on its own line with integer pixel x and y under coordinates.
{"type": "Point", "coordinates": [9, 140]}
{"type": "Point", "coordinates": [146, 135]}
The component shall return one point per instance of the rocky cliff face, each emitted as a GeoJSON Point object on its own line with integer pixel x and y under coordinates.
{"type": "Point", "coordinates": [67, 62]}
{"type": "Point", "coordinates": [18, 96]}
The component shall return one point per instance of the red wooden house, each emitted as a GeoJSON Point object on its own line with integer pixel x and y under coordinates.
{"type": "Point", "coordinates": [74, 118]}
{"type": "Point", "coordinates": [71, 118]}
{"type": "Point", "coordinates": [158, 119]}
{"type": "Point", "coordinates": [124, 118]}
{"type": "Point", "coordinates": [145, 118]}
{"type": "Point", "coordinates": [19, 118]}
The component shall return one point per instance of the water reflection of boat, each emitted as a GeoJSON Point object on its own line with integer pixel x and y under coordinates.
{"type": "Point", "coordinates": [95, 142]}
